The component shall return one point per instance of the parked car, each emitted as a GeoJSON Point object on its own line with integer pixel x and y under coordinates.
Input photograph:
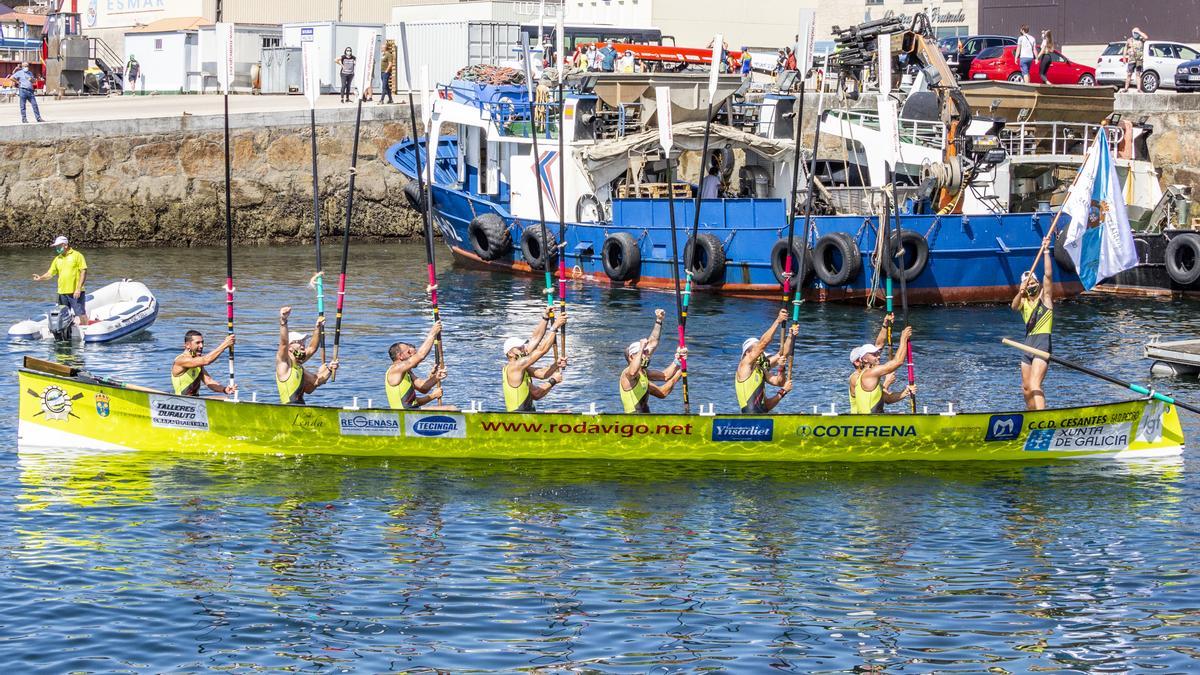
{"type": "Point", "coordinates": [1187, 76]}
{"type": "Point", "coordinates": [960, 52]}
{"type": "Point", "coordinates": [1000, 63]}
{"type": "Point", "coordinates": [1159, 64]}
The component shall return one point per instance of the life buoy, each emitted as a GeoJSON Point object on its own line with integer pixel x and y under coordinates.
{"type": "Point", "coordinates": [779, 260]}
{"type": "Point", "coordinates": [1183, 258]}
{"type": "Point", "coordinates": [489, 236]}
{"type": "Point", "coordinates": [537, 253]}
{"type": "Point", "coordinates": [1060, 253]}
{"type": "Point", "coordinates": [707, 264]}
{"type": "Point", "coordinates": [414, 196]}
{"type": "Point", "coordinates": [621, 257]}
{"type": "Point", "coordinates": [837, 259]}
{"type": "Point", "coordinates": [914, 245]}
{"type": "Point", "coordinates": [589, 209]}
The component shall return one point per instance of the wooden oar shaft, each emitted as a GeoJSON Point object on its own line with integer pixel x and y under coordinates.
{"type": "Point", "coordinates": [320, 280]}
{"type": "Point", "coordinates": [228, 240]}
{"type": "Point", "coordinates": [341, 298]}
{"type": "Point", "coordinates": [1134, 387]}
{"type": "Point", "coordinates": [680, 311]}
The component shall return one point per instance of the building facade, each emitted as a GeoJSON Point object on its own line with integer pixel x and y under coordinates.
{"type": "Point", "coordinates": [949, 17]}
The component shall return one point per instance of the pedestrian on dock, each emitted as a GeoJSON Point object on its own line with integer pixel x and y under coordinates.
{"type": "Point", "coordinates": [638, 382]}
{"type": "Point", "coordinates": [1044, 54]}
{"type": "Point", "coordinates": [1035, 302]}
{"type": "Point", "coordinates": [71, 268]}
{"type": "Point", "coordinates": [386, 65]}
{"type": "Point", "coordinates": [133, 70]}
{"type": "Point", "coordinates": [753, 371]}
{"type": "Point", "coordinates": [347, 62]}
{"type": "Point", "coordinates": [1134, 53]}
{"type": "Point", "coordinates": [24, 79]}
{"type": "Point", "coordinates": [1025, 52]}
{"type": "Point", "coordinates": [519, 369]}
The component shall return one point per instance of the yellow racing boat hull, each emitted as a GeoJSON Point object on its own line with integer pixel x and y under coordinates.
{"type": "Point", "coordinates": [81, 413]}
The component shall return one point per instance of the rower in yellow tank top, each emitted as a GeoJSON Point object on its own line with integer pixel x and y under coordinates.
{"type": "Point", "coordinates": [1035, 301]}
{"type": "Point", "coordinates": [291, 379]}
{"type": "Point", "coordinates": [638, 382]}
{"type": "Point", "coordinates": [405, 391]}
{"type": "Point", "coordinates": [869, 384]}
{"type": "Point", "coordinates": [521, 369]}
{"type": "Point", "coordinates": [188, 372]}
{"type": "Point", "coordinates": [754, 369]}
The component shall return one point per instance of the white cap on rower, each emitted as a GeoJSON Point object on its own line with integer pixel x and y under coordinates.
{"type": "Point", "coordinates": [859, 352]}
{"type": "Point", "coordinates": [512, 343]}
{"type": "Point", "coordinates": [633, 349]}
{"type": "Point", "coordinates": [750, 342]}
{"type": "Point", "coordinates": [293, 336]}
{"type": "Point", "coordinates": [60, 241]}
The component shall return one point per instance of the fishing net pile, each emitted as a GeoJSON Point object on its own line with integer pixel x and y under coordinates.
{"type": "Point", "coordinates": [488, 74]}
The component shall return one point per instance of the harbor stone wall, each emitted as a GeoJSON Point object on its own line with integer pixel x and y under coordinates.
{"type": "Point", "coordinates": [1175, 143]}
{"type": "Point", "coordinates": [160, 181]}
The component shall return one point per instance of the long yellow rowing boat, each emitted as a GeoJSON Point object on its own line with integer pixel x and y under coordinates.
{"type": "Point", "coordinates": [63, 408]}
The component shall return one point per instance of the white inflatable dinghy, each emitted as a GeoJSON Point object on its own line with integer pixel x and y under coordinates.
{"type": "Point", "coordinates": [118, 310]}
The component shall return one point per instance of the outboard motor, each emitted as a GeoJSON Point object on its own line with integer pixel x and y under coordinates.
{"type": "Point", "coordinates": [61, 322]}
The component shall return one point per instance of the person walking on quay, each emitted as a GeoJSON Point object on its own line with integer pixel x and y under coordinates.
{"type": "Point", "coordinates": [608, 58]}
{"type": "Point", "coordinates": [71, 268]}
{"type": "Point", "coordinates": [1035, 302]}
{"type": "Point", "coordinates": [1044, 55]}
{"type": "Point", "coordinates": [747, 65]}
{"type": "Point", "coordinates": [1134, 53]}
{"type": "Point", "coordinates": [386, 65]}
{"type": "Point", "coordinates": [290, 377]}
{"type": "Point", "coordinates": [347, 61]}
{"type": "Point", "coordinates": [133, 70]}
{"type": "Point", "coordinates": [24, 79]}
{"type": "Point", "coordinates": [1025, 52]}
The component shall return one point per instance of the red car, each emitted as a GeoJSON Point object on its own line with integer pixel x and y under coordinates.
{"type": "Point", "coordinates": [998, 63]}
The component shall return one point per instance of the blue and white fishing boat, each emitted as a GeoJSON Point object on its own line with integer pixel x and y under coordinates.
{"type": "Point", "coordinates": [614, 199]}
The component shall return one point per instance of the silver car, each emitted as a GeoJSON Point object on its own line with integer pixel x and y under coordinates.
{"type": "Point", "coordinates": [1158, 64]}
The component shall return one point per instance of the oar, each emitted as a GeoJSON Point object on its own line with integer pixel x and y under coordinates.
{"type": "Point", "coordinates": [312, 90]}
{"type": "Point", "coordinates": [367, 72]}
{"type": "Point", "coordinates": [788, 264]}
{"type": "Point", "coordinates": [225, 74]}
{"type": "Point", "coordinates": [427, 207]}
{"type": "Point", "coordinates": [808, 224]}
{"type": "Point", "coordinates": [562, 180]}
{"type": "Point", "coordinates": [666, 139]}
{"type": "Point", "coordinates": [537, 172]}
{"type": "Point", "coordinates": [1131, 386]}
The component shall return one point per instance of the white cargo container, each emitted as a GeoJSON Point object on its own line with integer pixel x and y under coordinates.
{"type": "Point", "coordinates": [332, 38]}
{"type": "Point", "coordinates": [249, 39]}
{"type": "Point", "coordinates": [445, 47]}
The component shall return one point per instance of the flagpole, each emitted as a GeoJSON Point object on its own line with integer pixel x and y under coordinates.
{"type": "Point", "coordinates": [1074, 182]}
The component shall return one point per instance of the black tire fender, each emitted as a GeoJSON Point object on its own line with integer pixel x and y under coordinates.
{"type": "Point", "coordinates": [1181, 250]}
{"type": "Point", "coordinates": [412, 193]}
{"type": "Point", "coordinates": [621, 257]}
{"type": "Point", "coordinates": [779, 260]}
{"type": "Point", "coordinates": [489, 236]}
{"type": "Point", "coordinates": [911, 241]}
{"type": "Point", "coordinates": [537, 253]}
{"type": "Point", "coordinates": [707, 265]}
{"type": "Point", "coordinates": [827, 266]}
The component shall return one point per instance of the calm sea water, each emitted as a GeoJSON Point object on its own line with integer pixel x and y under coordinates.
{"type": "Point", "coordinates": [150, 563]}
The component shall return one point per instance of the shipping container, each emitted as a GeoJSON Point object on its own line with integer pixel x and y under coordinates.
{"type": "Point", "coordinates": [445, 47]}
{"type": "Point", "coordinates": [248, 42]}
{"type": "Point", "coordinates": [282, 70]}
{"type": "Point", "coordinates": [331, 39]}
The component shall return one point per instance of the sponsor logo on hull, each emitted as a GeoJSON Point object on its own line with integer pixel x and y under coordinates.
{"type": "Point", "coordinates": [369, 423]}
{"type": "Point", "coordinates": [435, 426]}
{"type": "Point", "coordinates": [1005, 427]}
{"type": "Point", "coordinates": [1103, 437]}
{"type": "Point", "coordinates": [178, 412]}
{"type": "Point", "coordinates": [743, 430]}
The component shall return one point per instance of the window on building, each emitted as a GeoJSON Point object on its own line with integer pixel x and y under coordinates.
{"type": "Point", "coordinates": [158, 44]}
{"type": "Point", "coordinates": [270, 41]}
{"type": "Point", "coordinates": [949, 31]}
{"type": "Point", "coordinates": [874, 2]}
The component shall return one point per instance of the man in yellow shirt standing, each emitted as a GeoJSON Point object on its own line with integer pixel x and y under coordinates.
{"type": "Point", "coordinates": [71, 269]}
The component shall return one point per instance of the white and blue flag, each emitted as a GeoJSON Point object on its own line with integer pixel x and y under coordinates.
{"type": "Point", "coordinates": [1098, 236]}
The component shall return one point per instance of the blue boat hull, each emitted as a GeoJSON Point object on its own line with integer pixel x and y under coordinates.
{"type": "Point", "coordinates": [972, 259]}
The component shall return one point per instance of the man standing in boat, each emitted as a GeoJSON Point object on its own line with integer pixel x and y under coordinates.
{"type": "Point", "coordinates": [753, 371]}
{"type": "Point", "coordinates": [291, 378]}
{"type": "Point", "coordinates": [188, 372]}
{"type": "Point", "coordinates": [637, 381]}
{"type": "Point", "coordinates": [871, 380]}
{"type": "Point", "coordinates": [405, 392]}
{"type": "Point", "coordinates": [71, 269]}
{"type": "Point", "coordinates": [519, 371]}
{"type": "Point", "coordinates": [1035, 302]}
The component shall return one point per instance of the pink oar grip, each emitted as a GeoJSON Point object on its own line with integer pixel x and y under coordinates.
{"type": "Point", "coordinates": [911, 377]}
{"type": "Point", "coordinates": [341, 290]}
{"type": "Point", "coordinates": [432, 282]}
{"type": "Point", "coordinates": [229, 297]}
